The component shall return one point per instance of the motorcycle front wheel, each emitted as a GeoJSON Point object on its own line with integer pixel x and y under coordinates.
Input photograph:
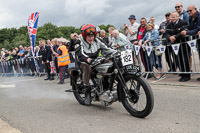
{"type": "Point", "coordinates": [140, 100]}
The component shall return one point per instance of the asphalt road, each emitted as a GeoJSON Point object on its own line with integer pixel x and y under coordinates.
{"type": "Point", "coordinates": [33, 105]}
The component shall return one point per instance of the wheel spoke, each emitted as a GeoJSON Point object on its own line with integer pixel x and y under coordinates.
{"type": "Point", "coordinates": [132, 84]}
{"type": "Point", "coordinates": [140, 99]}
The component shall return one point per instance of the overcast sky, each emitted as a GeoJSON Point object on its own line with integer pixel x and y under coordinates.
{"type": "Point", "coordinates": [15, 13]}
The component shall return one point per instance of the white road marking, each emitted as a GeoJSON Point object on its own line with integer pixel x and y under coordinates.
{"type": "Point", "coordinates": [158, 80]}
{"type": "Point", "coordinates": [7, 86]}
{"type": "Point", "coordinates": [19, 81]}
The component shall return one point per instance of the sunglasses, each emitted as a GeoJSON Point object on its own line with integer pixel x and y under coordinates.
{"type": "Point", "coordinates": [90, 30]}
{"type": "Point", "coordinates": [189, 11]}
{"type": "Point", "coordinates": [177, 7]}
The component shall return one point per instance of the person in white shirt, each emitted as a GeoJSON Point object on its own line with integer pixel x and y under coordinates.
{"type": "Point", "coordinates": [131, 30]}
{"type": "Point", "coordinates": [120, 40]}
{"type": "Point", "coordinates": [152, 20]}
{"type": "Point", "coordinates": [110, 36]}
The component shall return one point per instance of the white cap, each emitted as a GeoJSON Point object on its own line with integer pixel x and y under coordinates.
{"type": "Point", "coordinates": [62, 39]}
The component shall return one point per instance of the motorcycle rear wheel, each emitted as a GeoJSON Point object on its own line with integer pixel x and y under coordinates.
{"type": "Point", "coordinates": [78, 93]}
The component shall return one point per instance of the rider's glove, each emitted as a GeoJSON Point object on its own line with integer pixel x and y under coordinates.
{"type": "Point", "coordinates": [96, 61]}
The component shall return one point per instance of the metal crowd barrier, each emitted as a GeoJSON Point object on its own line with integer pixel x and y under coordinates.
{"type": "Point", "coordinates": [178, 58]}
{"type": "Point", "coordinates": [22, 67]}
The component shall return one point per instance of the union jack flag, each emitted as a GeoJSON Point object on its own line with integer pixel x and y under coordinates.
{"type": "Point", "coordinates": [53, 70]}
{"type": "Point", "coordinates": [32, 29]}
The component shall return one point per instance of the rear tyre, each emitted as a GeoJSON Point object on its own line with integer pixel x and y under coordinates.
{"type": "Point", "coordinates": [78, 87]}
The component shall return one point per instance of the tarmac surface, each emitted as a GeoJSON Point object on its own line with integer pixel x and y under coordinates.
{"type": "Point", "coordinates": [32, 105]}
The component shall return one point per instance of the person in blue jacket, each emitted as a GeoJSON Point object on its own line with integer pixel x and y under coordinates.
{"type": "Point", "coordinates": [151, 39]}
{"type": "Point", "coordinates": [182, 13]}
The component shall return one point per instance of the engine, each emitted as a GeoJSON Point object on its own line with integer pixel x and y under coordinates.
{"type": "Point", "coordinates": [108, 97]}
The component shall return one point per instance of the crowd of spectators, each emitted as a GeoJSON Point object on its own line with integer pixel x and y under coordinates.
{"type": "Point", "coordinates": [174, 29]}
{"type": "Point", "coordinates": [16, 53]}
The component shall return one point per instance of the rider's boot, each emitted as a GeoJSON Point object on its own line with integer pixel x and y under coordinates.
{"type": "Point", "coordinates": [87, 95]}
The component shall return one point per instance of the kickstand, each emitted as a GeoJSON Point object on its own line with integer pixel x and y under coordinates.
{"type": "Point", "coordinates": [70, 90]}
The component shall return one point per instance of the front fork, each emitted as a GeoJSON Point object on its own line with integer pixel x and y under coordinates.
{"type": "Point", "coordinates": [121, 79]}
{"type": "Point", "coordinates": [123, 82]}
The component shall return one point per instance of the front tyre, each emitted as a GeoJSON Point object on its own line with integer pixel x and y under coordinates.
{"type": "Point", "coordinates": [140, 101]}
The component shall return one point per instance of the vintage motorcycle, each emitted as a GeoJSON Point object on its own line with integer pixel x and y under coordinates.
{"type": "Point", "coordinates": [117, 80]}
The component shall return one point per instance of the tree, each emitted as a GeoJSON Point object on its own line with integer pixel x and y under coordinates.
{"type": "Point", "coordinates": [48, 31]}
{"type": "Point", "coordinates": [67, 30]}
{"type": "Point", "coordinates": [105, 27]}
{"type": "Point", "coordinates": [13, 37]}
{"type": "Point", "coordinates": [6, 44]}
{"type": "Point", "coordinates": [20, 40]}
{"type": "Point", "coordinates": [4, 35]}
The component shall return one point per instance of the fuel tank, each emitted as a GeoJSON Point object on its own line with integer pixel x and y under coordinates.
{"type": "Point", "coordinates": [104, 68]}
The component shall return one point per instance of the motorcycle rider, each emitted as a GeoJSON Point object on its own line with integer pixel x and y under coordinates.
{"type": "Point", "coordinates": [88, 51]}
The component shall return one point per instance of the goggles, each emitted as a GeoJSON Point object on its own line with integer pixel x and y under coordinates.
{"type": "Point", "coordinates": [90, 30]}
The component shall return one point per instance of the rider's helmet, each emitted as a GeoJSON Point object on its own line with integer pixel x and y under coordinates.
{"type": "Point", "coordinates": [88, 29]}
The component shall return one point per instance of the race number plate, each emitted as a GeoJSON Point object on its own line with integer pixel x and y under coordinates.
{"type": "Point", "coordinates": [127, 57]}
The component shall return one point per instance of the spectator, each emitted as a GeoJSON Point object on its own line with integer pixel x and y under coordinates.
{"type": "Point", "coordinates": [63, 58]}
{"type": "Point", "coordinates": [174, 35]}
{"type": "Point", "coordinates": [54, 45]}
{"type": "Point", "coordinates": [45, 51]}
{"type": "Point", "coordinates": [74, 36]}
{"type": "Point", "coordinates": [199, 46]}
{"type": "Point", "coordinates": [37, 51]}
{"type": "Point", "coordinates": [184, 16]}
{"type": "Point", "coordinates": [194, 24]}
{"type": "Point", "coordinates": [2, 55]}
{"type": "Point", "coordinates": [9, 56]}
{"type": "Point", "coordinates": [152, 35]}
{"type": "Point", "coordinates": [110, 36]}
{"type": "Point", "coordinates": [141, 32]}
{"type": "Point", "coordinates": [6, 54]}
{"type": "Point", "coordinates": [98, 33]}
{"type": "Point", "coordinates": [152, 20]}
{"type": "Point", "coordinates": [21, 52]}
{"type": "Point", "coordinates": [14, 55]}
{"type": "Point", "coordinates": [74, 40]}
{"type": "Point", "coordinates": [27, 52]}
{"type": "Point", "coordinates": [105, 39]}
{"type": "Point", "coordinates": [120, 40]}
{"type": "Point", "coordinates": [49, 43]}
{"type": "Point", "coordinates": [54, 49]}
{"type": "Point", "coordinates": [170, 56]}
{"type": "Point", "coordinates": [182, 13]}
{"type": "Point", "coordinates": [131, 31]}
{"type": "Point", "coordinates": [164, 24]}
{"type": "Point", "coordinates": [17, 50]}
{"type": "Point", "coordinates": [24, 64]}
{"type": "Point", "coordinates": [3, 51]}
